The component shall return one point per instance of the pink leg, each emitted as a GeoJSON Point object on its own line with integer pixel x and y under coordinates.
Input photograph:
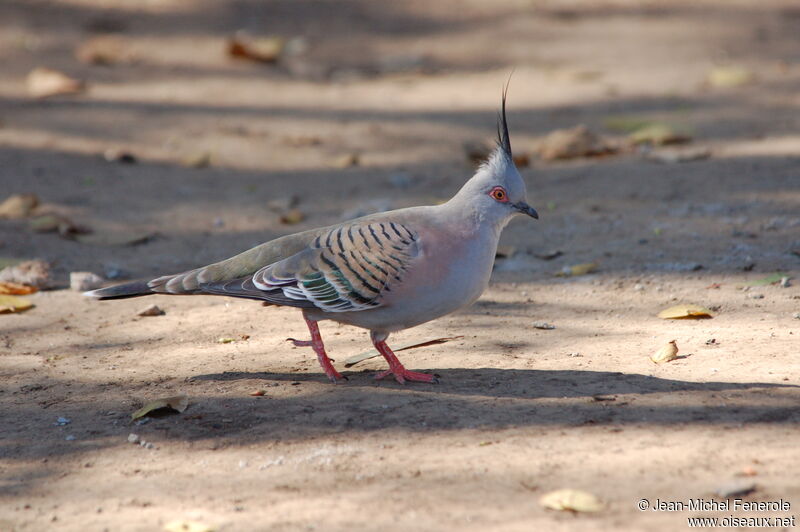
{"type": "Point", "coordinates": [319, 349]}
{"type": "Point", "coordinates": [400, 373]}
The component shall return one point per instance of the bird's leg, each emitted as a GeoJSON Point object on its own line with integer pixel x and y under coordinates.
{"type": "Point", "coordinates": [319, 349]}
{"type": "Point", "coordinates": [401, 374]}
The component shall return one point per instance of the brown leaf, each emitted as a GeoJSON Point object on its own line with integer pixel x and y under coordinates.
{"type": "Point", "coordinates": [575, 142]}
{"type": "Point", "coordinates": [178, 403]}
{"type": "Point", "coordinates": [18, 206]}
{"type": "Point", "coordinates": [9, 304]}
{"type": "Point", "coordinates": [263, 50]}
{"type": "Point", "coordinates": [571, 500]}
{"type": "Point", "coordinates": [667, 353]}
{"type": "Point", "coordinates": [44, 82]}
{"type": "Point", "coordinates": [16, 289]}
{"type": "Point", "coordinates": [685, 312]}
{"type": "Point", "coordinates": [257, 393]}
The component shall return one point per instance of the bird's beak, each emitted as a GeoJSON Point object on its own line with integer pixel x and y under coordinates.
{"type": "Point", "coordinates": [524, 208]}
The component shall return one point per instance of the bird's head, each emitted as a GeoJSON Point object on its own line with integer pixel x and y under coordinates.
{"type": "Point", "coordinates": [497, 191]}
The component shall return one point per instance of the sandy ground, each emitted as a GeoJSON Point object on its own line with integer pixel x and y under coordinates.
{"type": "Point", "coordinates": [520, 411]}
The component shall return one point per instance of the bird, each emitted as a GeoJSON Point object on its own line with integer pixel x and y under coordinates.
{"type": "Point", "coordinates": [385, 272]}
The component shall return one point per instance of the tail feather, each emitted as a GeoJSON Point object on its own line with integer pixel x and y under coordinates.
{"type": "Point", "coordinates": [121, 291]}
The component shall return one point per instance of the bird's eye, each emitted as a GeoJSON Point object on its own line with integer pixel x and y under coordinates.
{"type": "Point", "coordinates": [499, 194]}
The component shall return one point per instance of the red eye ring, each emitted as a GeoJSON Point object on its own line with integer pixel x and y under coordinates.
{"type": "Point", "coordinates": [499, 194]}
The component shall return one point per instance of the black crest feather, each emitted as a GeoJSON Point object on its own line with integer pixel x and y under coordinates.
{"type": "Point", "coordinates": [503, 141]}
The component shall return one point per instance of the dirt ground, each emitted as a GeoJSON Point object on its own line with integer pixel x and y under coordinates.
{"type": "Point", "coordinates": [519, 411]}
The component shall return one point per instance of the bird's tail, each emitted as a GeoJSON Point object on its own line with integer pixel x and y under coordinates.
{"type": "Point", "coordinates": [121, 291]}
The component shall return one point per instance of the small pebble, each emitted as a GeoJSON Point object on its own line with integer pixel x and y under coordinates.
{"type": "Point", "coordinates": [543, 325]}
{"type": "Point", "coordinates": [152, 310]}
{"type": "Point", "coordinates": [736, 488]}
{"type": "Point", "coordinates": [133, 438]}
{"type": "Point", "coordinates": [638, 287]}
{"type": "Point", "coordinates": [574, 355]}
{"type": "Point", "coordinates": [83, 281]}
{"type": "Point", "coordinates": [62, 421]}
{"type": "Point", "coordinates": [796, 315]}
{"type": "Point", "coordinates": [755, 296]}
{"type": "Point", "coordinates": [71, 437]}
{"type": "Point", "coordinates": [148, 445]}
{"type": "Point", "coordinates": [785, 282]}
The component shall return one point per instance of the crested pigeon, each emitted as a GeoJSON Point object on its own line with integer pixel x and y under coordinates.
{"type": "Point", "coordinates": [385, 272]}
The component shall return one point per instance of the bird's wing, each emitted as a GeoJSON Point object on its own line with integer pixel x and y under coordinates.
{"type": "Point", "coordinates": [346, 268]}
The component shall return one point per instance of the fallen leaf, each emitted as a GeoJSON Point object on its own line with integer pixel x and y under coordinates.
{"type": "Point", "coordinates": [577, 269]}
{"type": "Point", "coordinates": [729, 76]}
{"type": "Point", "coordinates": [684, 312]}
{"type": "Point", "coordinates": [770, 279]}
{"type": "Point", "coordinates": [673, 155]}
{"type": "Point", "coordinates": [522, 160]}
{"type": "Point", "coordinates": [10, 304]}
{"type": "Point", "coordinates": [262, 50]}
{"type": "Point", "coordinates": [578, 141]}
{"type": "Point", "coordinates": [16, 289]}
{"type": "Point", "coordinates": [225, 340]}
{"type": "Point", "coordinates": [187, 526]}
{"type": "Point", "coordinates": [178, 403]}
{"type": "Point", "coordinates": [667, 353]}
{"type": "Point", "coordinates": [44, 82]}
{"type": "Point", "coordinates": [124, 237]}
{"type": "Point", "coordinates": [571, 500]}
{"type": "Point", "coordinates": [30, 272]}
{"type": "Point", "coordinates": [257, 393]}
{"type": "Point", "coordinates": [355, 359]}
{"type": "Point", "coordinates": [292, 216]}
{"type": "Point", "coordinates": [18, 206]}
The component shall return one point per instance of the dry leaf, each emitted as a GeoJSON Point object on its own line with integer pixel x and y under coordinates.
{"type": "Point", "coordinates": [659, 134]}
{"type": "Point", "coordinates": [117, 238]}
{"type": "Point", "coordinates": [575, 142]}
{"type": "Point", "coordinates": [264, 50]}
{"type": "Point", "coordinates": [16, 289]}
{"type": "Point", "coordinates": [355, 359]}
{"type": "Point", "coordinates": [577, 269]}
{"type": "Point", "coordinates": [571, 500]}
{"type": "Point", "coordinates": [18, 206]}
{"type": "Point", "coordinates": [187, 526]}
{"type": "Point", "coordinates": [225, 340]}
{"type": "Point", "coordinates": [685, 312]}
{"type": "Point", "coordinates": [44, 82]}
{"type": "Point", "coordinates": [178, 403]}
{"type": "Point", "coordinates": [667, 353]}
{"type": "Point", "coordinates": [9, 304]}
{"type": "Point", "coordinates": [729, 76]}
{"type": "Point", "coordinates": [770, 279]}
{"type": "Point", "coordinates": [293, 216]}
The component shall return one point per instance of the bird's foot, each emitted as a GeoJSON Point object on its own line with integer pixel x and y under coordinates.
{"type": "Point", "coordinates": [330, 371]}
{"type": "Point", "coordinates": [301, 343]}
{"type": "Point", "coordinates": [402, 375]}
